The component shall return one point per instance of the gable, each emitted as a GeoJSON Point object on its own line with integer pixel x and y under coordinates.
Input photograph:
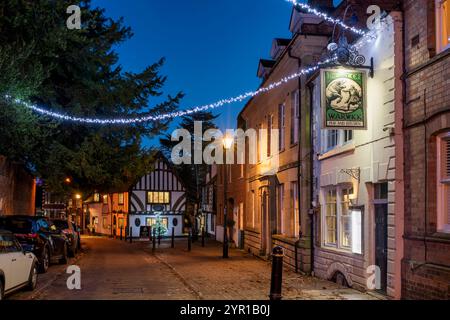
{"type": "Point", "coordinates": [162, 178]}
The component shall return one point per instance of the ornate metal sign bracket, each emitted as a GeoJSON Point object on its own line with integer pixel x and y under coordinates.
{"type": "Point", "coordinates": [354, 173]}
{"type": "Point", "coordinates": [346, 55]}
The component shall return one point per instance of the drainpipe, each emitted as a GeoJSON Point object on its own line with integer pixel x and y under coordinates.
{"type": "Point", "coordinates": [299, 156]}
{"type": "Point", "coordinates": [311, 194]}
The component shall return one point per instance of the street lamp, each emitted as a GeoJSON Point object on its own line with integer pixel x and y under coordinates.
{"type": "Point", "coordinates": [227, 143]}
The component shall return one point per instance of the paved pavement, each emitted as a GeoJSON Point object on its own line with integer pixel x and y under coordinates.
{"type": "Point", "coordinates": [113, 269]}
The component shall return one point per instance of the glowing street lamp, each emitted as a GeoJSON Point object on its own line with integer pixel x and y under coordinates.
{"type": "Point", "coordinates": [227, 143]}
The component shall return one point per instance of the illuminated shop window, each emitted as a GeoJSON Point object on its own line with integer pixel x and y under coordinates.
{"type": "Point", "coordinates": [156, 197]}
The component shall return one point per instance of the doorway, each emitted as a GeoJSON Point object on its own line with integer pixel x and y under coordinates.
{"type": "Point", "coordinates": [381, 232]}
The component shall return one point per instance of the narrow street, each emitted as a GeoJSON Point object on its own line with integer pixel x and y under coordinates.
{"type": "Point", "coordinates": [113, 269]}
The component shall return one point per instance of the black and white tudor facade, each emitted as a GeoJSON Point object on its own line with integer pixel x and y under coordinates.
{"type": "Point", "coordinates": [158, 193]}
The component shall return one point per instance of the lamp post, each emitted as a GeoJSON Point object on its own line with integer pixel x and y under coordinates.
{"type": "Point", "coordinates": [227, 143]}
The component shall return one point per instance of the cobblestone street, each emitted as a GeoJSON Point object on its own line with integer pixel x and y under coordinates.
{"type": "Point", "coordinates": [113, 269]}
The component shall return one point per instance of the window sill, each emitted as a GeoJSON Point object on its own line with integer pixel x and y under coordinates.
{"type": "Point", "coordinates": [336, 250]}
{"type": "Point", "coordinates": [347, 148]}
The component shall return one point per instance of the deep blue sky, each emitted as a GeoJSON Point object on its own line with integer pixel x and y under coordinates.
{"type": "Point", "coordinates": [211, 47]}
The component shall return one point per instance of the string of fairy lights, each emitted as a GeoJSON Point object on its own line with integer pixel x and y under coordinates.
{"type": "Point", "coordinates": [367, 38]}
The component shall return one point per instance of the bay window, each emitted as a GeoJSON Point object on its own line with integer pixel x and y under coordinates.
{"type": "Point", "coordinates": [155, 197]}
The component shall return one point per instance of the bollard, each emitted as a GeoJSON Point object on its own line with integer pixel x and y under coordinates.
{"type": "Point", "coordinates": [189, 240]}
{"type": "Point", "coordinates": [150, 233]}
{"type": "Point", "coordinates": [203, 237]}
{"type": "Point", "coordinates": [121, 233]}
{"type": "Point", "coordinates": [277, 274]}
{"type": "Point", "coordinates": [159, 237]}
{"type": "Point", "coordinates": [154, 240]}
{"type": "Point", "coordinates": [131, 234]}
{"type": "Point", "coordinates": [173, 238]}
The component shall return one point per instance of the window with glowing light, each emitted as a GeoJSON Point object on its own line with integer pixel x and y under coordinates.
{"type": "Point", "coordinates": [339, 219]}
{"type": "Point", "coordinates": [443, 182]}
{"type": "Point", "coordinates": [331, 216]}
{"type": "Point", "coordinates": [120, 199]}
{"type": "Point", "coordinates": [156, 197]}
{"type": "Point", "coordinates": [443, 24]}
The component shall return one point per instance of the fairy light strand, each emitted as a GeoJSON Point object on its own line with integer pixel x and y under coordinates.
{"type": "Point", "coordinates": [326, 17]}
{"type": "Point", "coordinates": [152, 118]}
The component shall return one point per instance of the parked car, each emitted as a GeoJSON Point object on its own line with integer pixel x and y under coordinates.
{"type": "Point", "coordinates": [18, 268]}
{"type": "Point", "coordinates": [35, 235]}
{"type": "Point", "coordinates": [69, 229]}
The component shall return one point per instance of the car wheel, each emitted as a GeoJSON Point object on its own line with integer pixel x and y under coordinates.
{"type": "Point", "coordinates": [64, 259]}
{"type": "Point", "coordinates": [2, 290]}
{"type": "Point", "coordinates": [32, 280]}
{"type": "Point", "coordinates": [45, 261]}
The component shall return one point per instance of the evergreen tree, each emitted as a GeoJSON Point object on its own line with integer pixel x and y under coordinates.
{"type": "Point", "coordinates": [74, 72]}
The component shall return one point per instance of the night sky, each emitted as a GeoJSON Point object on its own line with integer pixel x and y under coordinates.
{"type": "Point", "coordinates": [212, 47]}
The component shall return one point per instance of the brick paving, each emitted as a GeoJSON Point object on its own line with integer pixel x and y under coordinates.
{"type": "Point", "coordinates": [114, 269]}
{"type": "Point", "coordinates": [242, 276]}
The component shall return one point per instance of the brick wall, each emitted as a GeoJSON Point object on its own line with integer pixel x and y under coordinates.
{"type": "Point", "coordinates": [17, 189]}
{"type": "Point", "coordinates": [426, 263]}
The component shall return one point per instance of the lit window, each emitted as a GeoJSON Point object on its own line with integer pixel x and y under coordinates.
{"type": "Point", "coordinates": [96, 197]}
{"type": "Point", "coordinates": [331, 216]}
{"type": "Point", "coordinates": [345, 219]}
{"type": "Point", "coordinates": [443, 24]}
{"type": "Point", "coordinates": [105, 199]}
{"type": "Point", "coordinates": [443, 182]}
{"type": "Point", "coordinates": [120, 198]}
{"type": "Point", "coordinates": [156, 197]}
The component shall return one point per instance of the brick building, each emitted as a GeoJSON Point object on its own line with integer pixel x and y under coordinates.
{"type": "Point", "coordinates": [426, 263]}
{"type": "Point", "coordinates": [17, 189]}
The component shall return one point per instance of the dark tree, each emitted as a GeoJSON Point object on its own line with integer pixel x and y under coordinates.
{"type": "Point", "coordinates": [74, 72]}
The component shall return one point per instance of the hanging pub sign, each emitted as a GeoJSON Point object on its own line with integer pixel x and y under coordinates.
{"type": "Point", "coordinates": [344, 98]}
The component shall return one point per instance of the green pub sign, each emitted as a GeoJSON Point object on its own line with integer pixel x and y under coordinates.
{"type": "Point", "coordinates": [344, 99]}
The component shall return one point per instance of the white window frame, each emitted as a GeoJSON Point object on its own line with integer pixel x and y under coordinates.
{"type": "Point", "coordinates": [340, 200]}
{"type": "Point", "coordinates": [341, 139]}
{"type": "Point", "coordinates": [443, 183]}
{"type": "Point", "coordinates": [439, 25]}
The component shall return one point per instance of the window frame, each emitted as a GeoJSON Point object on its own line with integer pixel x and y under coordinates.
{"type": "Point", "coordinates": [282, 126]}
{"type": "Point", "coordinates": [121, 198]}
{"type": "Point", "coordinates": [340, 192]}
{"type": "Point", "coordinates": [153, 198]}
{"type": "Point", "coordinates": [440, 47]}
{"type": "Point", "coordinates": [443, 183]}
{"type": "Point", "coordinates": [295, 117]}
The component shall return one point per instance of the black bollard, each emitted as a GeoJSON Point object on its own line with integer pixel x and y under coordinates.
{"type": "Point", "coordinates": [159, 237]}
{"type": "Point", "coordinates": [131, 234]}
{"type": "Point", "coordinates": [203, 237]}
{"type": "Point", "coordinates": [173, 237]}
{"type": "Point", "coordinates": [189, 241]}
{"type": "Point", "coordinates": [150, 233]}
{"type": "Point", "coordinates": [277, 274]}
{"type": "Point", "coordinates": [154, 240]}
{"type": "Point", "coordinates": [121, 230]}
